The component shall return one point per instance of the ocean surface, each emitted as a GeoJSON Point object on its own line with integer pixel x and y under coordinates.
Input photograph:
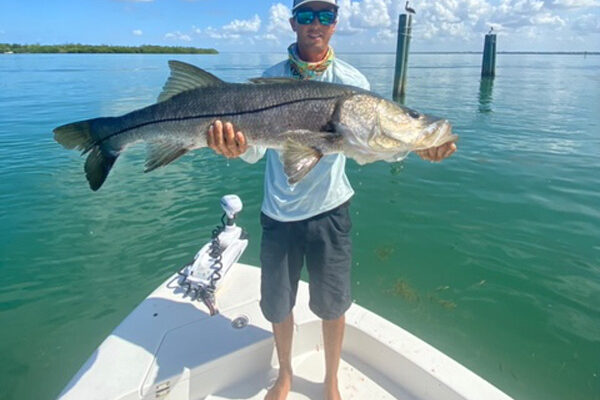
{"type": "Point", "coordinates": [492, 256]}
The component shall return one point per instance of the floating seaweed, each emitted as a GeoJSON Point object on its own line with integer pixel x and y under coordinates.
{"type": "Point", "coordinates": [402, 289]}
{"type": "Point", "coordinates": [384, 252]}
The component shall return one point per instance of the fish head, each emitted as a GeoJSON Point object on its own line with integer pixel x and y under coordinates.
{"type": "Point", "coordinates": [378, 129]}
{"type": "Point", "coordinates": [401, 130]}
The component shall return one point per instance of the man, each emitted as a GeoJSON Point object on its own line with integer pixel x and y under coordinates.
{"type": "Point", "coordinates": [311, 218]}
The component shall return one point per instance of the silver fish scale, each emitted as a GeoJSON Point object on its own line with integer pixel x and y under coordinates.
{"type": "Point", "coordinates": [261, 111]}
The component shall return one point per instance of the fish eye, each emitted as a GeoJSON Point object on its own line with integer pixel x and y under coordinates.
{"type": "Point", "coordinates": [414, 114]}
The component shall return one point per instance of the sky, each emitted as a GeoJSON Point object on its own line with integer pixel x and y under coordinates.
{"type": "Point", "coordinates": [262, 25]}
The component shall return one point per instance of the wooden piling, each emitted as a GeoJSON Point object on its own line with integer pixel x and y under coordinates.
{"type": "Point", "coordinates": [486, 86]}
{"type": "Point", "coordinates": [488, 65]}
{"type": "Point", "coordinates": [402, 47]}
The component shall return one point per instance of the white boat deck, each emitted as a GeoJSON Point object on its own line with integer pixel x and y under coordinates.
{"type": "Point", "coordinates": [170, 348]}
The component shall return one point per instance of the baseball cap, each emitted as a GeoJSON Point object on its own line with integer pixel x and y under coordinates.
{"type": "Point", "coordinates": [298, 3]}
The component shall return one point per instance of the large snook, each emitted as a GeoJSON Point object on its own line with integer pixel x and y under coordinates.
{"type": "Point", "coordinates": [303, 119]}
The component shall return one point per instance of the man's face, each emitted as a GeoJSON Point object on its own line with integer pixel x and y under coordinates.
{"type": "Point", "coordinates": [314, 37]}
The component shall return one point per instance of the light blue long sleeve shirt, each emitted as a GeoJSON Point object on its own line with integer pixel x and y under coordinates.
{"type": "Point", "coordinates": [326, 186]}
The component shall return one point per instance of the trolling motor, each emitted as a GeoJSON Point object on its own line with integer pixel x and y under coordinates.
{"type": "Point", "coordinates": [204, 275]}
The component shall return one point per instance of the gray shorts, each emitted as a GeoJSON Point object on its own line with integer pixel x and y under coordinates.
{"type": "Point", "coordinates": [324, 240]}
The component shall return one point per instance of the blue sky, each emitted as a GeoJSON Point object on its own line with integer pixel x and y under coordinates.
{"type": "Point", "coordinates": [261, 25]}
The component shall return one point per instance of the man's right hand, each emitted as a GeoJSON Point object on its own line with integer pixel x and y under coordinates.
{"type": "Point", "coordinates": [223, 139]}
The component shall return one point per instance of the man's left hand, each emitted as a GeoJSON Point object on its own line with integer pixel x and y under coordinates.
{"type": "Point", "coordinates": [436, 154]}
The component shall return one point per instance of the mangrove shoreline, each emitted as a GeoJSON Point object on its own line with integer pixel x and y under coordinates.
{"type": "Point", "coordinates": [99, 49]}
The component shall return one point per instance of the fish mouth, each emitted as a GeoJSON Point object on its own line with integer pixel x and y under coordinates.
{"type": "Point", "coordinates": [436, 134]}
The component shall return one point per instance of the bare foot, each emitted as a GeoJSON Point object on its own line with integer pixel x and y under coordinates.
{"type": "Point", "coordinates": [282, 386]}
{"type": "Point", "coordinates": [331, 391]}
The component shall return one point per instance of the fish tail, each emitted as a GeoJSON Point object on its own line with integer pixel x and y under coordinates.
{"type": "Point", "coordinates": [98, 165]}
{"type": "Point", "coordinates": [88, 136]}
{"type": "Point", "coordinates": [77, 135]}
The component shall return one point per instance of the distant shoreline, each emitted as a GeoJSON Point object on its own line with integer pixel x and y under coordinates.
{"type": "Point", "coordinates": [575, 53]}
{"type": "Point", "coordinates": [544, 53]}
{"type": "Point", "coordinates": [77, 48]}
{"type": "Point", "coordinates": [8, 48]}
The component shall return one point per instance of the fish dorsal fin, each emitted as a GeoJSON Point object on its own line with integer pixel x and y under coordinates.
{"type": "Point", "coordinates": [270, 81]}
{"type": "Point", "coordinates": [299, 160]}
{"type": "Point", "coordinates": [185, 77]}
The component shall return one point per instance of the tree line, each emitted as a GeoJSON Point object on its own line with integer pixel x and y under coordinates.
{"type": "Point", "coordinates": [86, 48]}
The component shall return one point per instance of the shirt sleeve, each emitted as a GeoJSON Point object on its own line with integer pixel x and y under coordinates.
{"type": "Point", "coordinates": [253, 154]}
{"type": "Point", "coordinates": [348, 75]}
{"type": "Point", "coordinates": [359, 80]}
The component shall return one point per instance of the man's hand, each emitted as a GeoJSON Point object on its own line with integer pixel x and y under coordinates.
{"type": "Point", "coordinates": [436, 154]}
{"type": "Point", "coordinates": [224, 140]}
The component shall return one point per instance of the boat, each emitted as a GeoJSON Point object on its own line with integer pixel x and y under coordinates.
{"type": "Point", "coordinates": [175, 347]}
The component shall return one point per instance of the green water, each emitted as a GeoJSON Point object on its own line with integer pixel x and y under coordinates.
{"type": "Point", "coordinates": [492, 256]}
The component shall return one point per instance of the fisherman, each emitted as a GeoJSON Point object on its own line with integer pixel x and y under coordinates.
{"type": "Point", "coordinates": [310, 219]}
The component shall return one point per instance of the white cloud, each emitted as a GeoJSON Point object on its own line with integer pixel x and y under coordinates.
{"type": "Point", "coordinates": [452, 18]}
{"type": "Point", "coordinates": [520, 7]}
{"type": "Point", "coordinates": [243, 26]}
{"type": "Point", "coordinates": [575, 3]}
{"type": "Point", "coordinates": [236, 31]}
{"type": "Point", "coordinates": [218, 34]}
{"type": "Point", "coordinates": [279, 16]}
{"type": "Point", "coordinates": [547, 19]}
{"type": "Point", "coordinates": [517, 14]}
{"type": "Point", "coordinates": [373, 14]}
{"type": "Point", "coordinates": [430, 30]}
{"type": "Point", "coordinates": [355, 17]}
{"type": "Point", "coordinates": [137, 32]}
{"type": "Point", "coordinates": [442, 12]}
{"type": "Point", "coordinates": [278, 28]}
{"type": "Point", "coordinates": [267, 36]}
{"type": "Point", "coordinates": [437, 25]}
{"type": "Point", "coordinates": [386, 34]}
{"type": "Point", "coordinates": [456, 29]}
{"type": "Point", "coordinates": [462, 22]}
{"type": "Point", "coordinates": [346, 11]}
{"type": "Point", "coordinates": [587, 23]}
{"type": "Point", "coordinates": [178, 36]}
{"type": "Point", "coordinates": [210, 32]}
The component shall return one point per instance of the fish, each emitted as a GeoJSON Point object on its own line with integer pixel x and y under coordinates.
{"type": "Point", "coordinates": [303, 120]}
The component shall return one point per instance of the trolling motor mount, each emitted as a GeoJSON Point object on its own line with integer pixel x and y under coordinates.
{"type": "Point", "coordinates": [201, 278]}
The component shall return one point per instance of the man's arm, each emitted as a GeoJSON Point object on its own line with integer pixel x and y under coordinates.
{"type": "Point", "coordinates": [223, 139]}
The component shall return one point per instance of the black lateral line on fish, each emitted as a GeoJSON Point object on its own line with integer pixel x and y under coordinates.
{"type": "Point", "coordinates": [205, 116]}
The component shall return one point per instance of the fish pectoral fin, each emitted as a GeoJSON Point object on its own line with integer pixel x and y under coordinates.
{"type": "Point", "coordinates": [161, 153]}
{"type": "Point", "coordinates": [186, 77]}
{"type": "Point", "coordinates": [299, 160]}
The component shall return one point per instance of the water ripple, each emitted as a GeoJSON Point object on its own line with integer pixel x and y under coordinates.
{"type": "Point", "coordinates": [498, 245]}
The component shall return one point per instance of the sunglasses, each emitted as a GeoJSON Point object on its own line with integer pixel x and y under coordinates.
{"type": "Point", "coordinates": [306, 17]}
